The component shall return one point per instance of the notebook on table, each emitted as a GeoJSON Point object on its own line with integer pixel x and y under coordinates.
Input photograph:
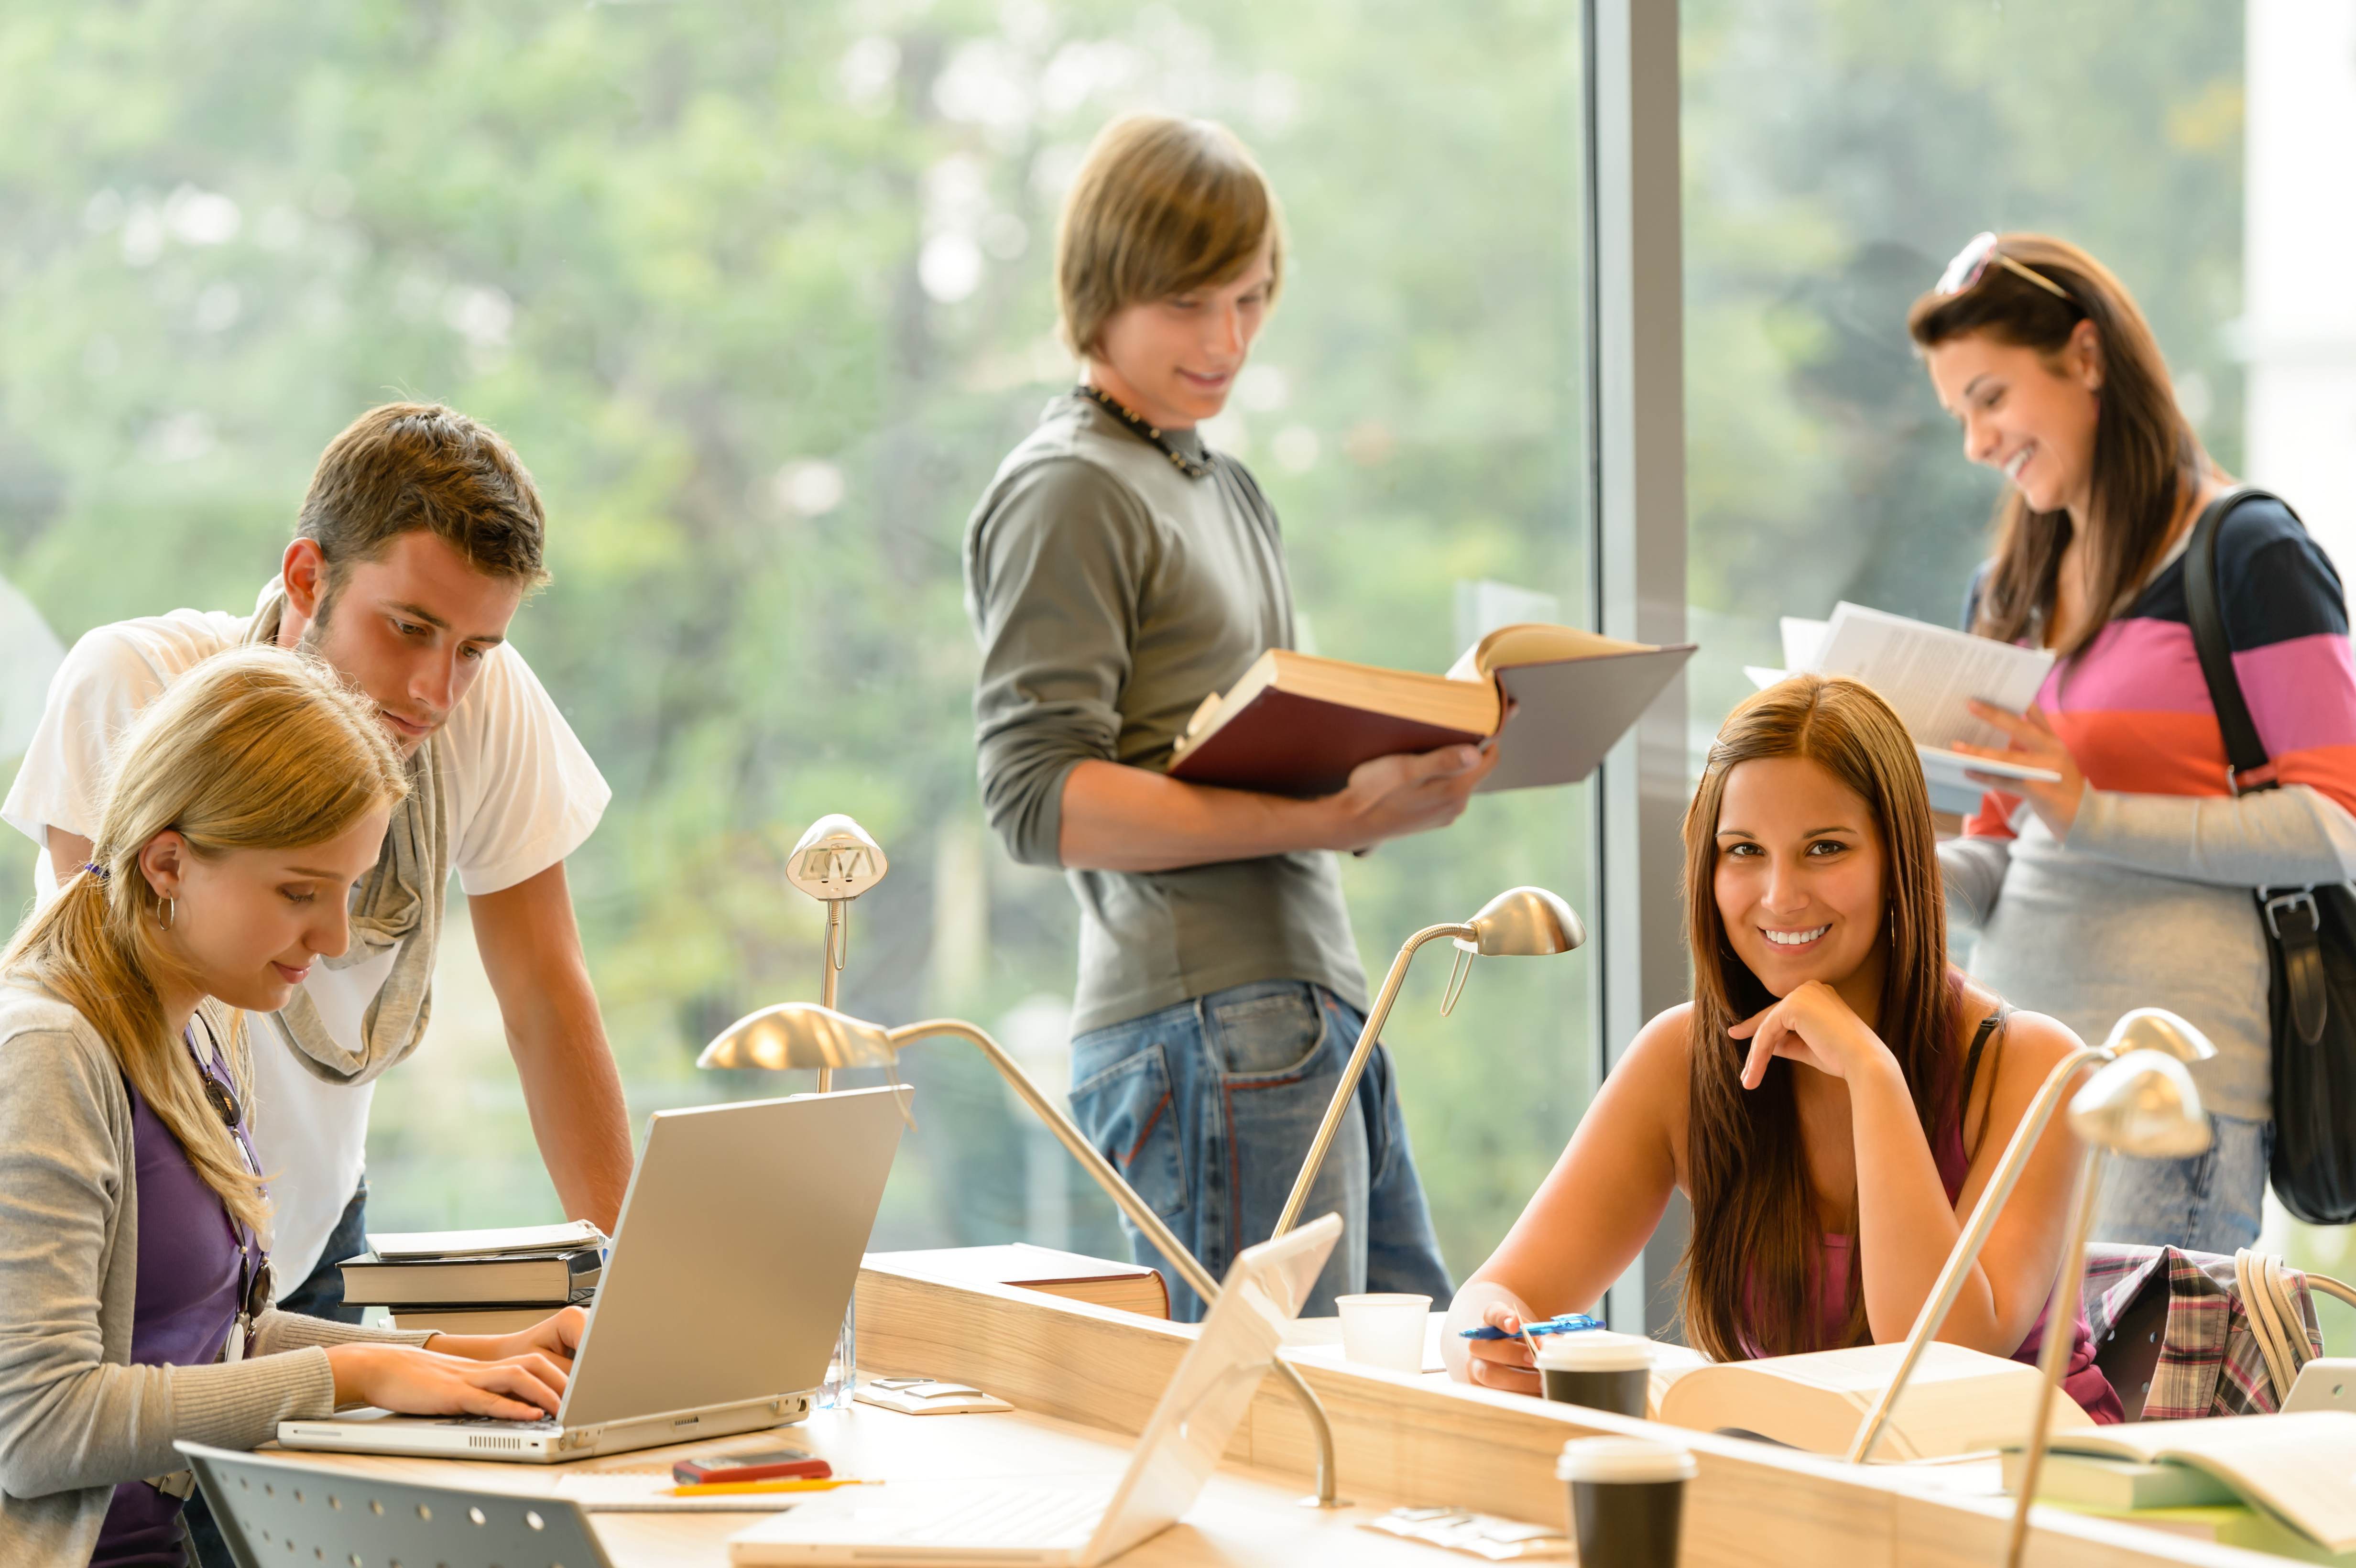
{"type": "Point", "coordinates": [738, 1248]}
{"type": "Point", "coordinates": [1079, 1524]}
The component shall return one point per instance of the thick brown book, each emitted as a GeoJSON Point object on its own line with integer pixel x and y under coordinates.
{"type": "Point", "coordinates": [1131, 1288]}
{"type": "Point", "coordinates": [1297, 724]}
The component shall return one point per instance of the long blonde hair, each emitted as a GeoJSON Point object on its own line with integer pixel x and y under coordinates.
{"type": "Point", "coordinates": [253, 749]}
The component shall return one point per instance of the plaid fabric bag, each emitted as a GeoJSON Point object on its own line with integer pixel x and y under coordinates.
{"type": "Point", "coordinates": [2210, 1363]}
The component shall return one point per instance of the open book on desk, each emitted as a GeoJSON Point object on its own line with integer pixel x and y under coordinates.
{"type": "Point", "coordinates": [1927, 674]}
{"type": "Point", "coordinates": [1958, 1401]}
{"type": "Point", "coordinates": [1296, 723]}
{"type": "Point", "coordinates": [2301, 1465]}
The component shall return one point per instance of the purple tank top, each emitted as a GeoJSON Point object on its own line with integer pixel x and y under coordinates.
{"type": "Point", "coordinates": [2082, 1380]}
{"type": "Point", "coordinates": [189, 1281]}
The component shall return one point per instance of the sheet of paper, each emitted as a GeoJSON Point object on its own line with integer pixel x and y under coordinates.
{"type": "Point", "coordinates": [1928, 673]}
{"type": "Point", "coordinates": [1803, 640]}
{"type": "Point", "coordinates": [566, 1237]}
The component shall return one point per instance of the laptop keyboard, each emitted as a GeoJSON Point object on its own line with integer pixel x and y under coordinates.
{"type": "Point", "coordinates": [1010, 1518]}
{"type": "Point", "coordinates": [545, 1423]}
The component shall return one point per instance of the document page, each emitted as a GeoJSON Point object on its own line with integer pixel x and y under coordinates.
{"type": "Point", "coordinates": [1928, 673]}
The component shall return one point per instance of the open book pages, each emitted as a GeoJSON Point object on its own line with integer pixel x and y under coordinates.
{"type": "Point", "coordinates": [1928, 673]}
{"type": "Point", "coordinates": [1957, 1402]}
{"type": "Point", "coordinates": [1297, 723]}
{"type": "Point", "coordinates": [402, 1246]}
{"type": "Point", "coordinates": [2301, 1465]}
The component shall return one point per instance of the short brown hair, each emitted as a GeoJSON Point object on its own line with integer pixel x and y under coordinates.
{"type": "Point", "coordinates": [406, 466]}
{"type": "Point", "coordinates": [1160, 206]}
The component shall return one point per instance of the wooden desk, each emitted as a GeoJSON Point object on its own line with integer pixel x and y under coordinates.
{"type": "Point", "coordinates": [1085, 1378]}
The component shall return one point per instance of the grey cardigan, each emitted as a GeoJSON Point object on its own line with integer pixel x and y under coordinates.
{"type": "Point", "coordinates": [75, 1416]}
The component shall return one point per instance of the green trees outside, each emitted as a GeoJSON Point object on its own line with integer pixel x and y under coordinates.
{"type": "Point", "coordinates": [760, 291]}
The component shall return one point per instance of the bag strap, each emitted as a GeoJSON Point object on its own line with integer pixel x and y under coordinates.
{"type": "Point", "coordinates": [2248, 767]}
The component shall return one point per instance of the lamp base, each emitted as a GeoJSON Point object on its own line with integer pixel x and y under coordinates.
{"type": "Point", "coordinates": [1314, 1500]}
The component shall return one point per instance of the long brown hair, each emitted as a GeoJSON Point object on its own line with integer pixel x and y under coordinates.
{"type": "Point", "coordinates": [2146, 459]}
{"type": "Point", "coordinates": [1750, 1268]}
{"type": "Point", "coordinates": [254, 748]}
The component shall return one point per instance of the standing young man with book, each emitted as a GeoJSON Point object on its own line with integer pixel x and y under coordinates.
{"type": "Point", "coordinates": [1118, 572]}
{"type": "Point", "coordinates": [418, 538]}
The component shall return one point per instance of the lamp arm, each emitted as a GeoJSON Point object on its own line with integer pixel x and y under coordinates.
{"type": "Point", "coordinates": [1375, 1017]}
{"type": "Point", "coordinates": [1140, 1214]}
{"type": "Point", "coordinates": [2053, 1356]}
{"type": "Point", "coordinates": [1967, 1247]}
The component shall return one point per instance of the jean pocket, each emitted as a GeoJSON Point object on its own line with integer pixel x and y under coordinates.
{"type": "Point", "coordinates": [1271, 1036]}
{"type": "Point", "coordinates": [1128, 1111]}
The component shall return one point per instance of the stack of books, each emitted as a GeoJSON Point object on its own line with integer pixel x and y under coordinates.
{"type": "Point", "coordinates": [477, 1282]}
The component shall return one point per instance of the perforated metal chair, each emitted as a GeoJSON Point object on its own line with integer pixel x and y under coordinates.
{"type": "Point", "coordinates": [274, 1511]}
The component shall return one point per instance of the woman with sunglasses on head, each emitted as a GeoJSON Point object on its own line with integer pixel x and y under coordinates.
{"type": "Point", "coordinates": [134, 1289]}
{"type": "Point", "coordinates": [2128, 881]}
{"type": "Point", "coordinates": [1835, 1098]}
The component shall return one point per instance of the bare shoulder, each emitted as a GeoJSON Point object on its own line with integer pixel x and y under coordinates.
{"type": "Point", "coordinates": [2035, 1044]}
{"type": "Point", "coordinates": [1663, 1047]}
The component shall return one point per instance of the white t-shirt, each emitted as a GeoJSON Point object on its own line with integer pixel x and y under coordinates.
{"type": "Point", "coordinates": [523, 795]}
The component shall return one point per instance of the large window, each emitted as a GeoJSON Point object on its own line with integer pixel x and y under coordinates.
{"type": "Point", "coordinates": [761, 295]}
{"type": "Point", "coordinates": [1837, 152]}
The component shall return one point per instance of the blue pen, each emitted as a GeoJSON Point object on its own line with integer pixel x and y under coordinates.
{"type": "Point", "coordinates": [1569, 1323]}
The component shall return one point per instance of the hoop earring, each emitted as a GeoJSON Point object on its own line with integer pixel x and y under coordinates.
{"type": "Point", "coordinates": [167, 911]}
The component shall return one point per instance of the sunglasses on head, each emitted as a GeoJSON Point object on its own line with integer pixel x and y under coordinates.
{"type": "Point", "coordinates": [1971, 264]}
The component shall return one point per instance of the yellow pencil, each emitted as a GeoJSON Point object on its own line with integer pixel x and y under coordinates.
{"type": "Point", "coordinates": [782, 1484]}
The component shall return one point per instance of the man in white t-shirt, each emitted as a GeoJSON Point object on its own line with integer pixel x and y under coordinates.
{"type": "Point", "coordinates": [416, 543]}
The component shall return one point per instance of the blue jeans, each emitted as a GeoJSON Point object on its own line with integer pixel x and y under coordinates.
{"type": "Point", "coordinates": [1208, 1108]}
{"type": "Point", "coordinates": [2212, 1202]}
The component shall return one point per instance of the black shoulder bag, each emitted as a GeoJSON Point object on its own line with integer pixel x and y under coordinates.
{"type": "Point", "coordinates": [2310, 939]}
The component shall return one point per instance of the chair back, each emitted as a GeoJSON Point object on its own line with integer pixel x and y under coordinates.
{"type": "Point", "coordinates": [273, 1510]}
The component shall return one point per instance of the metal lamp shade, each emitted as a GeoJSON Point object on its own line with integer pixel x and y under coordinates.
{"type": "Point", "coordinates": [799, 1034]}
{"type": "Point", "coordinates": [2143, 1104]}
{"type": "Point", "coordinates": [1524, 922]}
{"type": "Point", "coordinates": [2157, 1029]}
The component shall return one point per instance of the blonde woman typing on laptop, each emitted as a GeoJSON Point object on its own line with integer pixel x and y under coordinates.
{"type": "Point", "coordinates": [133, 1276]}
{"type": "Point", "coordinates": [1833, 1100]}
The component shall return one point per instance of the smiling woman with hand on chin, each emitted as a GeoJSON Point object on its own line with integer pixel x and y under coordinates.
{"type": "Point", "coordinates": [2127, 882]}
{"type": "Point", "coordinates": [1833, 1100]}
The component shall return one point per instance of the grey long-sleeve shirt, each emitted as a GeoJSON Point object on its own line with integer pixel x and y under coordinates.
{"type": "Point", "coordinates": [76, 1417]}
{"type": "Point", "coordinates": [1110, 594]}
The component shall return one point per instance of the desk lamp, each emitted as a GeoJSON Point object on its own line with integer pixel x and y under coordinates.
{"type": "Point", "coordinates": [835, 862]}
{"type": "Point", "coordinates": [1520, 922]}
{"type": "Point", "coordinates": [798, 1034]}
{"type": "Point", "coordinates": [2145, 1030]}
{"type": "Point", "coordinates": [2143, 1104]}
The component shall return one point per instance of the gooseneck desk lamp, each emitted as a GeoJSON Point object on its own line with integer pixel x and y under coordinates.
{"type": "Point", "coordinates": [1520, 922]}
{"type": "Point", "coordinates": [2143, 1104]}
{"type": "Point", "coordinates": [835, 862]}
{"type": "Point", "coordinates": [2142, 1031]}
{"type": "Point", "coordinates": [802, 1035]}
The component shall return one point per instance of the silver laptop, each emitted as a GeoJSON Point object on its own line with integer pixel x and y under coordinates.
{"type": "Point", "coordinates": [1077, 1523]}
{"type": "Point", "coordinates": [736, 1254]}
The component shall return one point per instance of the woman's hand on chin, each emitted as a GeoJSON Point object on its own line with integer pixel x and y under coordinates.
{"type": "Point", "coordinates": [1813, 1026]}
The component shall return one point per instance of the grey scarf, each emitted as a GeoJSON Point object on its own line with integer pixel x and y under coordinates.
{"type": "Point", "coordinates": [398, 902]}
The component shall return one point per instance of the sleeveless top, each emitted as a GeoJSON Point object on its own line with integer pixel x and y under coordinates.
{"type": "Point", "coordinates": [2082, 1380]}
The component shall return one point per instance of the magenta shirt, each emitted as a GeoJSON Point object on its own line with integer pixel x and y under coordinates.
{"type": "Point", "coordinates": [2082, 1379]}
{"type": "Point", "coordinates": [186, 1304]}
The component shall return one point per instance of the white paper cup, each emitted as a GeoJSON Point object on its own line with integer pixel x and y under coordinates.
{"type": "Point", "coordinates": [1599, 1369]}
{"type": "Point", "coordinates": [1384, 1330]}
{"type": "Point", "coordinates": [1627, 1499]}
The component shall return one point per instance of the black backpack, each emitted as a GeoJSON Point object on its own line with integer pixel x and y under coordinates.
{"type": "Point", "coordinates": [2310, 939]}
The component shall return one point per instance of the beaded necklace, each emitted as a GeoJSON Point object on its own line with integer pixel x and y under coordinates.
{"type": "Point", "coordinates": [1192, 467]}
